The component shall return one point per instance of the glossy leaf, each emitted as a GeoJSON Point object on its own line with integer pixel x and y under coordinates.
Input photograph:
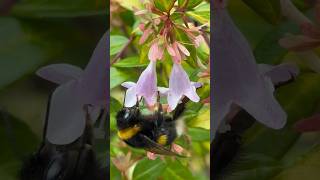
{"type": "Point", "coordinates": [164, 5]}
{"type": "Point", "coordinates": [189, 4]}
{"type": "Point", "coordinates": [117, 43]}
{"type": "Point", "coordinates": [149, 169]}
{"type": "Point", "coordinates": [199, 134]}
{"type": "Point", "coordinates": [117, 77]}
{"type": "Point", "coordinates": [130, 62]}
{"type": "Point", "coordinates": [268, 9]}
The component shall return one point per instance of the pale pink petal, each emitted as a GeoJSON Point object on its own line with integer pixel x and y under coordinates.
{"type": "Point", "coordinates": [199, 39]}
{"type": "Point", "coordinates": [173, 100]}
{"type": "Point", "coordinates": [141, 12]}
{"type": "Point", "coordinates": [171, 50]}
{"type": "Point", "coordinates": [183, 49]}
{"type": "Point", "coordinates": [196, 84]}
{"type": "Point", "coordinates": [141, 26]}
{"type": "Point", "coordinates": [163, 91]}
{"type": "Point", "coordinates": [177, 148]}
{"type": "Point", "coordinates": [298, 42]}
{"type": "Point", "coordinates": [66, 120]}
{"type": "Point", "coordinates": [151, 156]}
{"type": "Point", "coordinates": [128, 84]}
{"type": "Point", "coordinates": [177, 58]}
{"type": "Point", "coordinates": [147, 84]}
{"type": "Point", "coordinates": [145, 35]}
{"type": "Point", "coordinates": [153, 52]}
{"type": "Point", "coordinates": [95, 74]}
{"type": "Point", "coordinates": [60, 73]}
{"type": "Point", "coordinates": [160, 53]}
{"type": "Point", "coordinates": [131, 97]}
{"type": "Point", "coordinates": [243, 84]}
{"type": "Point", "coordinates": [179, 85]}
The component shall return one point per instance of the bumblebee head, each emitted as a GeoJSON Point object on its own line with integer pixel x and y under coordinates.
{"type": "Point", "coordinates": [127, 117]}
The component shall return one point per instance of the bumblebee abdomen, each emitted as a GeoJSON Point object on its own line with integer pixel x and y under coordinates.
{"type": "Point", "coordinates": [162, 139]}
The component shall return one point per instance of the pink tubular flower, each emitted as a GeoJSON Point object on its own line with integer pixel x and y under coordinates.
{"type": "Point", "coordinates": [155, 52]}
{"type": "Point", "coordinates": [146, 87]}
{"type": "Point", "coordinates": [180, 85]}
{"type": "Point", "coordinates": [77, 89]}
{"type": "Point", "coordinates": [146, 33]}
{"type": "Point", "coordinates": [177, 51]}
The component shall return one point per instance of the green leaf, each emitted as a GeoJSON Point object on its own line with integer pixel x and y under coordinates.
{"type": "Point", "coordinates": [268, 9]}
{"type": "Point", "coordinates": [117, 77]}
{"type": "Point", "coordinates": [189, 4]}
{"type": "Point", "coordinates": [130, 62]}
{"type": "Point", "coordinates": [164, 5]}
{"type": "Point", "coordinates": [59, 8]}
{"type": "Point", "coordinates": [175, 170]}
{"type": "Point", "coordinates": [117, 43]}
{"type": "Point", "coordinates": [200, 16]}
{"type": "Point", "coordinates": [199, 134]}
{"type": "Point", "coordinates": [305, 168]}
{"type": "Point", "coordinates": [18, 55]}
{"type": "Point", "coordinates": [17, 139]}
{"type": "Point", "coordinates": [148, 169]}
{"type": "Point", "coordinates": [268, 50]}
{"type": "Point", "coordinates": [115, 107]}
{"type": "Point", "coordinates": [129, 4]}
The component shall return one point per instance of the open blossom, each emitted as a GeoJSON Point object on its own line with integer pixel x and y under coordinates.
{"type": "Point", "coordinates": [302, 44]}
{"type": "Point", "coordinates": [179, 86]}
{"type": "Point", "coordinates": [146, 87]}
{"type": "Point", "coordinates": [237, 80]}
{"type": "Point", "coordinates": [77, 88]}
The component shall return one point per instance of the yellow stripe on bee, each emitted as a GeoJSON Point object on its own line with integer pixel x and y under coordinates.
{"type": "Point", "coordinates": [162, 139]}
{"type": "Point", "coordinates": [128, 133]}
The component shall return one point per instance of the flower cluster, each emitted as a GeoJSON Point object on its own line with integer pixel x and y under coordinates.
{"type": "Point", "coordinates": [162, 34]}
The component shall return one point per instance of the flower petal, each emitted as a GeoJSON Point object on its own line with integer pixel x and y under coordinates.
{"type": "Point", "coordinates": [183, 49]}
{"type": "Point", "coordinates": [310, 124]}
{"type": "Point", "coordinates": [171, 50]}
{"type": "Point", "coordinates": [128, 84]}
{"type": "Point", "coordinates": [179, 85]}
{"type": "Point", "coordinates": [66, 120]}
{"type": "Point", "coordinates": [95, 74]}
{"type": "Point", "coordinates": [153, 52]}
{"type": "Point", "coordinates": [147, 84]}
{"type": "Point", "coordinates": [243, 84]}
{"type": "Point", "coordinates": [60, 73]}
{"type": "Point", "coordinates": [131, 97]}
{"type": "Point", "coordinates": [298, 42]}
{"type": "Point", "coordinates": [145, 35]}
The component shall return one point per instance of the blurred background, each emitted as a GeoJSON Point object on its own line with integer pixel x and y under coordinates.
{"type": "Point", "coordinates": [292, 152]}
{"type": "Point", "coordinates": [133, 163]}
{"type": "Point", "coordinates": [35, 33]}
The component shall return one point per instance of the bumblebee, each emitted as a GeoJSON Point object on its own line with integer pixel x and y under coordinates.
{"type": "Point", "coordinates": [153, 132]}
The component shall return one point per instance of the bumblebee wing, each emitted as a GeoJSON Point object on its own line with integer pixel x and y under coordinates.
{"type": "Point", "coordinates": [157, 148]}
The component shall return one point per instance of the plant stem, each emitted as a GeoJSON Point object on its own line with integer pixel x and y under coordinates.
{"type": "Point", "coordinates": [118, 56]}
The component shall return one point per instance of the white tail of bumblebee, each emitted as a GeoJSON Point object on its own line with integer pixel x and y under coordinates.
{"type": "Point", "coordinates": [180, 126]}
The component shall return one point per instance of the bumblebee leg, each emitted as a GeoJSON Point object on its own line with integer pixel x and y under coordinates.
{"type": "Point", "coordinates": [178, 111]}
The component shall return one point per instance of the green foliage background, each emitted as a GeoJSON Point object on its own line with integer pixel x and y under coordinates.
{"type": "Point", "coordinates": [277, 154]}
{"type": "Point", "coordinates": [33, 34]}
